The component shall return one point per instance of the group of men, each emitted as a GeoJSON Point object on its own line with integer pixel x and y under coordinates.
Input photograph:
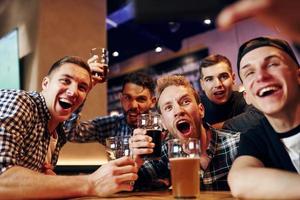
{"type": "Point", "coordinates": [34, 127]}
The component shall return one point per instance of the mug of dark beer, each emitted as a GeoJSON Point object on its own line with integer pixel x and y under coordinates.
{"type": "Point", "coordinates": [152, 123]}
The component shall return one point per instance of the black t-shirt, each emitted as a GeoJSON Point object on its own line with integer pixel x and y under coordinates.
{"type": "Point", "coordinates": [215, 113]}
{"type": "Point", "coordinates": [263, 143]}
{"type": "Point", "coordinates": [244, 121]}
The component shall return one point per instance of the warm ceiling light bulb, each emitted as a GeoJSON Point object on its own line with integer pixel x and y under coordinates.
{"type": "Point", "coordinates": [207, 21]}
{"type": "Point", "coordinates": [115, 54]}
{"type": "Point", "coordinates": [158, 49]}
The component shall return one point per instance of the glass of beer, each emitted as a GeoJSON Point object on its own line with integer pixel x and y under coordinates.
{"type": "Point", "coordinates": [184, 156]}
{"type": "Point", "coordinates": [117, 147]}
{"type": "Point", "coordinates": [102, 54]}
{"type": "Point", "coordinates": [152, 123]}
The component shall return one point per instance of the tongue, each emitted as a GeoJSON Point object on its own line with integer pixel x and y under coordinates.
{"type": "Point", "coordinates": [183, 127]}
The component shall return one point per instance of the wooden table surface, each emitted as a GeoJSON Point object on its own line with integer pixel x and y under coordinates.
{"type": "Point", "coordinates": [162, 195]}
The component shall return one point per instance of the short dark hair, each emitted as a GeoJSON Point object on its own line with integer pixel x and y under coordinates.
{"type": "Point", "coordinates": [212, 60]}
{"type": "Point", "coordinates": [69, 59]}
{"type": "Point", "coordinates": [261, 42]}
{"type": "Point", "coordinates": [140, 79]}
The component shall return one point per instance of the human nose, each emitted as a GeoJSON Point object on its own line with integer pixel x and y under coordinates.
{"type": "Point", "coordinates": [262, 75]}
{"type": "Point", "coordinates": [72, 90]}
{"type": "Point", "coordinates": [178, 110]}
{"type": "Point", "coordinates": [217, 82]}
{"type": "Point", "coordinates": [134, 104]}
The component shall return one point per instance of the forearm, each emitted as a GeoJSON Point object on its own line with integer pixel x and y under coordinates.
{"type": "Point", "coordinates": [264, 183]}
{"type": "Point", "coordinates": [22, 183]}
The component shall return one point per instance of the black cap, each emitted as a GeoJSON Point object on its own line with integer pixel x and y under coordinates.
{"type": "Point", "coordinates": [264, 41]}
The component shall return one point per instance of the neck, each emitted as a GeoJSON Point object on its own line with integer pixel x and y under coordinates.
{"type": "Point", "coordinates": [285, 121]}
{"type": "Point", "coordinates": [204, 139]}
{"type": "Point", "coordinates": [52, 126]}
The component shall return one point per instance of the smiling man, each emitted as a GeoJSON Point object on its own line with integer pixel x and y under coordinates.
{"type": "Point", "coordinates": [268, 165]}
{"type": "Point", "coordinates": [220, 101]}
{"type": "Point", "coordinates": [31, 137]}
{"type": "Point", "coordinates": [182, 114]}
{"type": "Point", "coordinates": [136, 97]}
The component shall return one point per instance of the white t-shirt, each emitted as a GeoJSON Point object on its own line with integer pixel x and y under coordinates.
{"type": "Point", "coordinates": [292, 145]}
{"type": "Point", "coordinates": [51, 147]}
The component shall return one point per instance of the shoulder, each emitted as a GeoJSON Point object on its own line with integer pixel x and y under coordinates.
{"type": "Point", "coordinates": [16, 99]}
{"type": "Point", "coordinates": [226, 137]}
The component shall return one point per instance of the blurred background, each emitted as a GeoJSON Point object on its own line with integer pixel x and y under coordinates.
{"type": "Point", "coordinates": [158, 37]}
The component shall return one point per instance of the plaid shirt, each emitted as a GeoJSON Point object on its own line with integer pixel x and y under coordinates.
{"type": "Point", "coordinates": [97, 129]}
{"type": "Point", "coordinates": [24, 135]}
{"type": "Point", "coordinates": [221, 151]}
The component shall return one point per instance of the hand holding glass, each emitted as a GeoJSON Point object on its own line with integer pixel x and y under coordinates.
{"type": "Point", "coordinates": [152, 123]}
{"type": "Point", "coordinates": [102, 54]}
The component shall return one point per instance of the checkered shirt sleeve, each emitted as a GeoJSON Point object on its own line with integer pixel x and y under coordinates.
{"type": "Point", "coordinates": [15, 120]}
{"type": "Point", "coordinates": [96, 129]}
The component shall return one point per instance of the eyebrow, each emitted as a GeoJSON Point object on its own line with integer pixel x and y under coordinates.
{"type": "Point", "coordinates": [71, 77]}
{"type": "Point", "coordinates": [265, 60]}
{"type": "Point", "coordinates": [182, 97]}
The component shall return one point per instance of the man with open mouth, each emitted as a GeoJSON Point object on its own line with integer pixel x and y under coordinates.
{"type": "Point", "coordinates": [182, 115]}
{"type": "Point", "coordinates": [217, 81]}
{"type": "Point", "coordinates": [31, 137]}
{"type": "Point", "coordinates": [268, 165]}
{"type": "Point", "coordinates": [136, 97]}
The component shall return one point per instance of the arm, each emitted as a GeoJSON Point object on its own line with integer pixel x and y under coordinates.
{"type": "Point", "coordinates": [21, 183]}
{"type": "Point", "coordinates": [248, 178]}
{"type": "Point", "coordinates": [283, 14]}
{"type": "Point", "coordinates": [150, 172]}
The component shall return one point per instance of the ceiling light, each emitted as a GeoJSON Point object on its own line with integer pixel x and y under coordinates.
{"type": "Point", "coordinates": [115, 54]}
{"type": "Point", "coordinates": [158, 49]}
{"type": "Point", "coordinates": [207, 21]}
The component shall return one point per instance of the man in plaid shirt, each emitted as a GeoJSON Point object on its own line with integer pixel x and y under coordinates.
{"type": "Point", "coordinates": [136, 97]}
{"type": "Point", "coordinates": [31, 137]}
{"type": "Point", "coordinates": [182, 115]}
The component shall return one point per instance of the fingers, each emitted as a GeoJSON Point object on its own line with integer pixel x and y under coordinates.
{"type": "Point", "coordinates": [240, 10]}
{"type": "Point", "coordinates": [125, 160]}
{"type": "Point", "coordinates": [99, 70]}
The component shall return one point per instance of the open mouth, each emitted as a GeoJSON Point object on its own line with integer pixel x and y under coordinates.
{"type": "Point", "coordinates": [183, 127]}
{"type": "Point", "coordinates": [219, 93]}
{"type": "Point", "coordinates": [267, 91]}
{"type": "Point", "coordinates": [65, 104]}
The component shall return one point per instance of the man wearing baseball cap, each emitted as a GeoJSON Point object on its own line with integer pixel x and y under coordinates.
{"type": "Point", "coordinates": [268, 163]}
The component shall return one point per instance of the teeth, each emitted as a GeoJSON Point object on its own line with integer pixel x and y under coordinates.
{"type": "Point", "coordinates": [65, 101]}
{"type": "Point", "coordinates": [267, 89]}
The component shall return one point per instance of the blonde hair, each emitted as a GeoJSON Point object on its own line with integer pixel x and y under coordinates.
{"type": "Point", "coordinates": [177, 80]}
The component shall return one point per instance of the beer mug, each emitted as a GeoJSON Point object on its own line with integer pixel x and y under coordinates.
{"type": "Point", "coordinates": [184, 157]}
{"type": "Point", "coordinates": [117, 147]}
{"type": "Point", "coordinates": [152, 123]}
{"type": "Point", "coordinates": [102, 54]}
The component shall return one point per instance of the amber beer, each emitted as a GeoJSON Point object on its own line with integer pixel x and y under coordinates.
{"type": "Point", "coordinates": [185, 177]}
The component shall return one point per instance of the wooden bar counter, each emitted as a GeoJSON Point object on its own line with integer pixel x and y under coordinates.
{"type": "Point", "coordinates": [164, 195]}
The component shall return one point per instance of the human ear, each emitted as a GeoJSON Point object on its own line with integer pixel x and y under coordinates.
{"type": "Point", "coordinates": [45, 83]}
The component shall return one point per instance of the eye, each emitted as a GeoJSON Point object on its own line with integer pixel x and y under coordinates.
{"type": "Point", "coordinates": [83, 88]}
{"type": "Point", "coordinates": [126, 97]}
{"type": "Point", "coordinates": [208, 79]}
{"type": "Point", "coordinates": [168, 108]}
{"type": "Point", "coordinates": [223, 77]}
{"type": "Point", "coordinates": [273, 64]}
{"type": "Point", "coordinates": [65, 81]}
{"type": "Point", "coordinates": [141, 99]}
{"type": "Point", "coordinates": [186, 101]}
